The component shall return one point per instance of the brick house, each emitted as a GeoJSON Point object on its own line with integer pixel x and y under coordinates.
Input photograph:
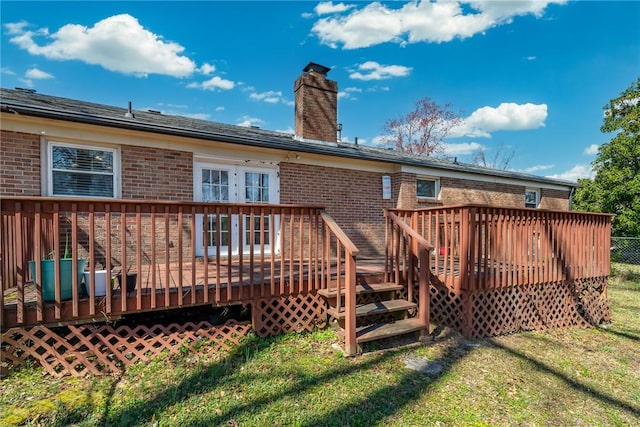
{"type": "Point", "coordinates": [286, 230]}
{"type": "Point", "coordinates": [147, 155]}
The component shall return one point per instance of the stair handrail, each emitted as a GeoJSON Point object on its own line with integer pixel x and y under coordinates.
{"type": "Point", "coordinates": [421, 250]}
{"type": "Point", "coordinates": [350, 253]}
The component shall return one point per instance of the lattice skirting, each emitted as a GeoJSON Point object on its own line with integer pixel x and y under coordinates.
{"type": "Point", "coordinates": [297, 313]}
{"type": "Point", "coordinates": [446, 307]}
{"type": "Point", "coordinates": [536, 307]}
{"type": "Point", "coordinates": [80, 350]}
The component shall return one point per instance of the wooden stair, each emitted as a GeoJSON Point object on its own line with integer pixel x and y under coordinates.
{"type": "Point", "coordinates": [379, 313]}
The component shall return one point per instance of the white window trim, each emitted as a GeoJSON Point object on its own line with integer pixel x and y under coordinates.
{"type": "Point", "coordinates": [537, 192]}
{"type": "Point", "coordinates": [47, 167]}
{"type": "Point", "coordinates": [436, 189]}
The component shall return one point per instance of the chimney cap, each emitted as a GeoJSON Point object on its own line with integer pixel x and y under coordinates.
{"type": "Point", "coordinates": [316, 68]}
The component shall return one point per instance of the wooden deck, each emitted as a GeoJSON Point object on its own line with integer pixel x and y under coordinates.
{"type": "Point", "coordinates": [286, 250]}
{"type": "Point", "coordinates": [235, 287]}
{"type": "Point", "coordinates": [480, 269]}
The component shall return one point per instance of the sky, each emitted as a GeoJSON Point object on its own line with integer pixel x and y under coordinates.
{"type": "Point", "coordinates": [528, 78]}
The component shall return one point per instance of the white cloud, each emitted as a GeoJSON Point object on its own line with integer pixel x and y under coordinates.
{"type": "Point", "coordinates": [213, 84]}
{"type": "Point", "coordinates": [8, 71]}
{"type": "Point", "coordinates": [349, 140]}
{"type": "Point", "coordinates": [378, 89]}
{"type": "Point", "coordinates": [575, 173]}
{"type": "Point", "coordinates": [220, 108]}
{"type": "Point", "coordinates": [248, 121]}
{"type": "Point", "coordinates": [14, 28]}
{"type": "Point", "coordinates": [461, 149]}
{"type": "Point", "coordinates": [37, 74]}
{"type": "Point", "coordinates": [530, 58]}
{"type": "Point", "coordinates": [197, 116]}
{"type": "Point", "coordinates": [371, 70]}
{"type": "Point", "coordinates": [507, 116]}
{"type": "Point", "coordinates": [381, 140]}
{"type": "Point", "coordinates": [207, 69]}
{"type": "Point", "coordinates": [348, 92]}
{"type": "Point", "coordinates": [288, 130]}
{"type": "Point", "coordinates": [420, 21]}
{"type": "Point", "coordinates": [591, 150]}
{"type": "Point", "coordinates": [537, 168]}
{"type": "Point", "coordinates": [270, 97]}
{"type": "Point", "coordinates": [118, 43]}
{"type": "Point", "coordinates": [324, 8]}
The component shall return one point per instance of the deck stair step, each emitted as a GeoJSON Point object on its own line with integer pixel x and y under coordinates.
{"type": "Point", "coordinates": [362, 289]}
{"type": "Point", "coordinates": [388, 330]}
{"type": "Point", "coordinates": [375, 308]}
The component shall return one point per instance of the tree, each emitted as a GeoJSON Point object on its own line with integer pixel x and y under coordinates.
{"type": "Point", "coordinates": [422, 130]}
{"type": "Point", "coordinates": [500, 159]}
{"type": "Point", "coordinates": [616, 186]}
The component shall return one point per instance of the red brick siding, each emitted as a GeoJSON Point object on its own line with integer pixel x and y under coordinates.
{"type": "Point", "coordinates": [352, 198]}
{"type": "Point", "coordinates": [153, 173]}
{"type": "Point", "coordinates": [554, 200]}
{"type": "Point", "coordinates": [404, 190]}
{"type": "Point", "coordinates": [462, 191]}
{"type": "Point", "coordinates": [19, 164]}
{"type": "Point", "coordinates": [316, 107]}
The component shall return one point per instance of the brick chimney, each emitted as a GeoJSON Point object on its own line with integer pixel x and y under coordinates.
{"type": "Point", "coordinates": [316, 104]}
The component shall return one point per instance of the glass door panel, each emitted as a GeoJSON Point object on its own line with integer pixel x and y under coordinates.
{"type": "Point", "coordinates": [214, 186]}
{"type": "Point", "coordinates": [257, 227]}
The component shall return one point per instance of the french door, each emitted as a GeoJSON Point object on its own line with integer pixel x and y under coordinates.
{"type": "Point", "coordinates": [233, 183]}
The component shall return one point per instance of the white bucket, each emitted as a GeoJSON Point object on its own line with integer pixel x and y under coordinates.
{"type": "Point", "coordinates": [100, 283]}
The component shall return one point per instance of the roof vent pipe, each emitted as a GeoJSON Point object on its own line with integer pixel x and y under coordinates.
{"type": "Point", "coordinates": [129, 113]}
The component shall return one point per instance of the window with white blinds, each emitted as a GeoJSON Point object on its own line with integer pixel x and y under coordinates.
{"type": "Point", "coordinates": [82, 171]}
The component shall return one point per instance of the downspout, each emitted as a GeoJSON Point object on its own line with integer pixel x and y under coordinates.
{"type": "Point", "coordinates": [571, 194]}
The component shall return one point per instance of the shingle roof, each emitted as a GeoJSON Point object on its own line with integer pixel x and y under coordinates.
{"type": "Point", "coordinates": [28, 102]}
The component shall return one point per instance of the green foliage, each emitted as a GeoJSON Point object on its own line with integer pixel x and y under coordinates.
{"type": "Point", "coordinates": [616, 186]}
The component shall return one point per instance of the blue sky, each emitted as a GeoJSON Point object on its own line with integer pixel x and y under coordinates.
{"type": "Point", "coordinates": [528, 76]}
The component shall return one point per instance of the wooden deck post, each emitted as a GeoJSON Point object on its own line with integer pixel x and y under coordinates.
{"type": "Point", "coordinates": [424, 296]}
{"type": "Point", "coordinates": [351, 346]}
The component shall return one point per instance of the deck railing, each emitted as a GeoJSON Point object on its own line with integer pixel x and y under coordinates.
{"type": "Point", "coordinates": [345, 279]}
{"type": "Point", "coordinates": [408, 261]}
{"type": "Point", "coordinates": [181, 254]}
{"type": "Point", "coordinates": [483, 247]}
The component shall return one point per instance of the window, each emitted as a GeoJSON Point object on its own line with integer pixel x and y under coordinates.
{"type": "Point", "coordinates": [82, 171]}
{"type": "Point", "coordinates": [531, 198]}
{"type": "Point", "coordinates": [256, 187]}
{"type": "Point", "coordinates": [215, 185]}
{"type": "Point", "coordinates": [427, 188]}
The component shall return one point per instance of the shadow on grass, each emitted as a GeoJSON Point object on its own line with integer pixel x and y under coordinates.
{"type": "Point", "coordinates": [370, 407]}
{"type": "Point", "coordinates": [576, 385]}
{"type": "Point", "coordinates": [201, 381]}
{"type": "Point", "coordinates": [621, 334]}
{"type": "Point", "coordinates": [385, 402]}
{"type": "Point", "coordinates": [626, 288]}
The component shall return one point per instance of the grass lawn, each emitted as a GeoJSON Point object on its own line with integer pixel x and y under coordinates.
{"type": "Point", "coordinates": [561, 377]}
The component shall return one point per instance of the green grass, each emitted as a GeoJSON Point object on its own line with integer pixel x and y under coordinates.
{"type": "Point", "coordinates": [578, 376]}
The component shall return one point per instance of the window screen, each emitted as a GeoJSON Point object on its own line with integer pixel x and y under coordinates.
{"type": "Point", "coordinates": [427, 188]}
{"type": "Point", "coordinates": [77, 171]}
{"type": "Point", "coordinates": [531, 198]}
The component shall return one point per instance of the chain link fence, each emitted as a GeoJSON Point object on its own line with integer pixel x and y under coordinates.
{"type": "Point", "coordinates": [625, 250]}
